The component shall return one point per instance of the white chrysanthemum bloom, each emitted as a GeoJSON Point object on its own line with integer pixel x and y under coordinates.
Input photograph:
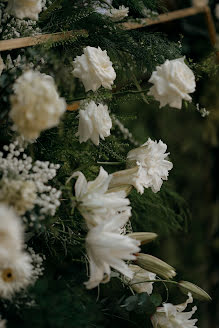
{"type": "Point", "coordinates": [173, 81]}
{"type": "Point", "coordinates": [170, 315]}
{"type": "Point", "coordinates": [36, 105]}
{"type": "Point", "coordinates": [199, 3]}
{"type": "Point", "coordinates": [140, 281]}
{"type": "Point", "coordinates": [217, 11]}
{"type": "Point", "coordinates": [15, 272]}
{"type": "Point", "coordinates": [118, 14]}
{"type": "Point", "coordinates": [25, 8]}
{"type": "Point", "coordinates": [2, 322]}
{"type": "Point", "coordinates": [94, 123]}
{"type": "Point", "coordinates": [152, 156]}
{"type": "Point", "coordinates": [94, 69]}
{"type": "Point", "coordinates": [19, 194]}
{"type": "Point", "coordinates": [2, 65]}
{"type": "Point", "coordinates": [96, 203]}
{"type": "Point", "coordinates": [107, 249]}
{"type": "Point", "coordinates": [135, 176]}
{"type": "Point", "coordinates": [11, 230]}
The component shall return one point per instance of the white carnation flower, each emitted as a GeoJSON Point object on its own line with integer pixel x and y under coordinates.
{"type": "Point", "coordinates": [15, 272]}
{"type": "Point", "coordinates": [2, 65]}
{"type": "Point", "coordinates": [173, 81]}
{"type": "Point", "coordinates": [96, 203]}
{"type": "Point", "coordinates": [94, 68]}
{"type": "Point", "coordinates": [19, 194]}
{"type": "Point", "coordinates": [170, 315]}
{"type": "Point", "coordinates": [36, 105]}
{"type": "Point", "coordinates": [118, 14]}
{"type": "Point", "coordinates": [11, 230]}
{"type": "Point", "coordinates": [107, 249]}
{"type": "Point", "coordinates": [199, 3]}
{"type": "Point", "coordinates": [140, 281]}
{"type": "Point", "coordinates": [94, 123]}
{"type": "Point", "coordinates": [152, 157]}
{"type": "Point", "coordinates": [25, 8]}
{"type": "Point", "coordinates": [217, 11]}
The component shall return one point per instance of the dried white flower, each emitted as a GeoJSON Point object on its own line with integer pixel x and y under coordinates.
{"type": "Point", "coordinates": [36, 105]}
{"type": "Point", "coordinates": [94, 123]}
{"type": "Point", "coordinates": [96, 204]}
{"type": "Point", "coordinates": [152, 157]}
{"type": "Point", "coordinates": [173, 81]}
{"type": "Point", "coordinates": [25, 8]}
{"type": "Point", "coordinates": [15, 272]}
{"type": "Point", "coordinates": [118, 14]}
{"type": "Point", "coordinates": [11, 230]}
{"type": "Point", "coordinates": [140, 282]}
{"type": "Point", "coordinates": [94, 68]}
{"type": "Point", "coordinates": [199, 3]}
{"type": "Point", "coordinates": [21, 195]}
{"type": "Point", "coordinates": [2, 65]}
{"type": "Point", "coordinates": [170, 315]}
{"type": "Point", "coordinates": [33, 176]}
{"type": "Point", "coordinates": [107, 249]}
{"type": "Point", "coordinates": [217, 11]}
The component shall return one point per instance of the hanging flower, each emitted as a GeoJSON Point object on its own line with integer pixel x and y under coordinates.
{"type": "Point", "coordinates": [15, 272]}
{"type": "Point", "coordinates": [94, 123]}
{"type": "Point", "coordinates": [36, 105]}
{"type": "Point", "coordinates": [94, 68]}
{"type": "Point", "coordinates": [135, 176]}
{"type": "Point", "coordinates": [96, 203]}
{"type": "Point", "coordinates": [152, 157]}
{"type": "Point", "coordinates": [11, 230]}
{"type": "Point", "coordinates": [170, 315]}
{"type": "Point", "coordinates": [2, 65]}
{"type": "Point", "coordinates": [173, 81]}
{"type": "Point", "coordinates": [19, 194]}
{"type": "Point", "coordinates": [25, 8]}
{"type": "Point", "coordinates": [107, 249]}
{"type": "Point", "coordinates": [199, 3]}
{"type": "Point", "coordinates": [140, 281]}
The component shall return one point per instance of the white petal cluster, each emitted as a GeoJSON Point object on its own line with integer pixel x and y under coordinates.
{"type": "Point", "coordinates": [152, 157]}
{"type": "Point", "coordinates": [94, 69]}
{"type": "Point", "coordinates": [36, 105]}
{"type": "Point", "coordinates": [173, 81]}
{"type": "Point", "coordinates": [25, 8]}
{"type": "Point", "coordinates": [2, 322]}
{"type": "Point", "coordinates": [170, 315]}
{"type": "Point", "coordinates": [94, 123]}
{"type": "Point", "coordinates": [140, 281]}
{"type": "Point", "coordinates": [2, 65]}
{"type": "Point", "coordinates": [18, 170]}
{"type": "Point", "coordinates": [19, 194]}
{"type": "Point", "coordinates": [96, 203]}
{"type": "Point", "coordinates": [199, 3]}
{"type": "Point", "coordinates": [118, 14]}
{"type": "Point", "coordinates": [15, 264]}
{"type": "Point", "coordinates": [107, 249]}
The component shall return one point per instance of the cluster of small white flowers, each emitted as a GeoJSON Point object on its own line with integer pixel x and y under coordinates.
{"type": "Point", "coordinates": [18, 166]}
{"type": "Point", "coordinates": [37, 262]}
{"type": "Point", "coordinates": [106, 8]}
{"type": "Point", "coordinates": [202, 111]}
{"type": "Point", "coordinates": [126, 133]}
{"type": "Point", "coordinates": [148, 13]}
{"type": "Point", "coordinates": [22, 63]}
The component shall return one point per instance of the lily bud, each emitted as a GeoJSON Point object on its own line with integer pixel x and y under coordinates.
{"type": "Point", "coordinates": [143, 237]}
{"type": "Point", "coordinates": [126, 188]}
{"type": "Point", "coordinates": [155, 265]}
{"type": "Point", "coordinates": [197, 292]}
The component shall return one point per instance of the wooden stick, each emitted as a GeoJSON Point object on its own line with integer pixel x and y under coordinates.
{"type": "Point", "coordinates": [163, 18]}
{"type": "Point", "coordinates": [39, 39]}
